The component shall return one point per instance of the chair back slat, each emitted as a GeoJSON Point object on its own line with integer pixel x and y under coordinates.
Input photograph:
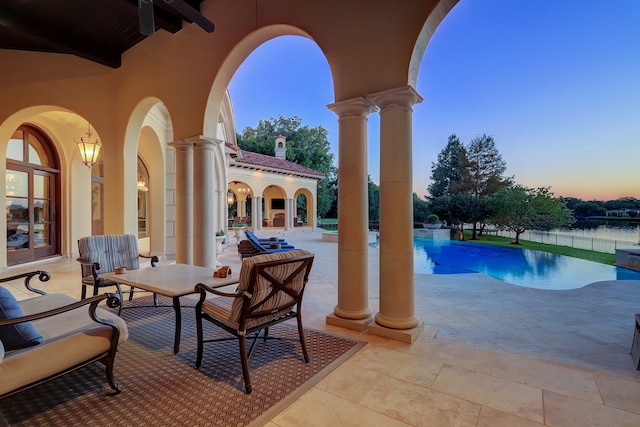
{"type": "Point", "coordinates": [272, 284]}
{"type": "Point", "coordinates": [110, 251]}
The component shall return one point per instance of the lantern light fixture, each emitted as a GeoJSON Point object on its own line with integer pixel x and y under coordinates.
{"type": "Point", "coordinates": [89, 147]}
{"type": "Point", "coordinates": [231, 197]}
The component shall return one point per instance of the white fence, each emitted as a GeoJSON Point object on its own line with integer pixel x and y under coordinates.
{"type": "Point", "coordinates": [579, 242]}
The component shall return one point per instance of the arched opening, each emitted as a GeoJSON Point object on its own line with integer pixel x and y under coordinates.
{"type": "Point", "coordinates": [151, 177]}
{"type": "Point", "coordinates": [143, 199]}
{"type": "Point", "coordinates": [304, 213]}
{"type": "Point", "coordinates": [97, 197]}
{"type": "Point", "coordinates": [275, 203]}
{"type": "Point", "coordinates": [239, 201]}
{"type": "Point", "coordinates": [32, 196]}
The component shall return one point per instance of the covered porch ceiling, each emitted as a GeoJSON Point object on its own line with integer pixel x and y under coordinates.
{"type": "Point", "coordinates": [99, 31]}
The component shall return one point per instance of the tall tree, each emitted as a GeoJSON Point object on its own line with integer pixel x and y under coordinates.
{"type": "Point", "coordinates": [447, 173]}
{"type": "Point", "coordinates": [305, 146]}
{"type": "Point", "coordinates": [420, 209]}
{"type": "Point", "coordinates": [484, 171]}
{"type": "Point", "coordinates": [374, 200]}
{"type": "Point", "coordinates": [517, 208]}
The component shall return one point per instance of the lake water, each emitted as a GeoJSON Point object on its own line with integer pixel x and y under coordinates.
{"type": "Point", "coordinates": [628, 231]}
{"type": "Point", "coordinates": [523, 267]}
{"type": "Point", "coordinates": [595, 235]}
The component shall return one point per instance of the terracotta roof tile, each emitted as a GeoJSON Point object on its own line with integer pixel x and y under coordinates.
{"type": "Point", "coordinates": [263, 160]}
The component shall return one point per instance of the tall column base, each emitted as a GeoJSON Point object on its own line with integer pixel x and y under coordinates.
{"type": "Point", "coordinates": [403, 335]}
{"type": "Point", "coordinates": [353, 324]}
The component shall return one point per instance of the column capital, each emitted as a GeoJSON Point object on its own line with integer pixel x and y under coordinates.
{"type": "Point", "coordinates": [181, 144]}
{"type": "Point", "coordinates": [405, 97]}
{"type": "Point", "coordinates": [198, 141]}
{"type": "Point", "coordinates": [353, 107]}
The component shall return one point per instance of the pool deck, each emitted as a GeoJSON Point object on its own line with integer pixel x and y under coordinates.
{"type": "Point", "coordinates": [504, 355]}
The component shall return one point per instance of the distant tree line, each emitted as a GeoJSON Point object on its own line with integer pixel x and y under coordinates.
{"type": "Point", "coordinates": [583, 209]}
{"type": "Point", "coordinates": [469, 186]}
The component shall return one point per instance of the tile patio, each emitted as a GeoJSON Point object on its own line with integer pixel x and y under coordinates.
{"type": "Point", "coordinates": [503, 356]}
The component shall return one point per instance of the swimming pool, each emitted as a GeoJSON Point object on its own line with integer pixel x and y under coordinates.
{"type": "Point", "coordinates": [523, 267]}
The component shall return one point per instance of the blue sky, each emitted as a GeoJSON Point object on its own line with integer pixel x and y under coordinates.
{"type": "Point", "coordinates": [555, 82]}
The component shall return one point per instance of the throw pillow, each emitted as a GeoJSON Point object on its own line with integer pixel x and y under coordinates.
{"type": "Point", "coordinates": [20, 335]}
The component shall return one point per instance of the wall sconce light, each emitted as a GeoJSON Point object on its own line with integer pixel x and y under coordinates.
{"type": "Point", "coordinates": [231, 198]}
{"type": "Point", "coordinates": [89, 148]}
{"type": "Point", "coordinates": [142, 186]}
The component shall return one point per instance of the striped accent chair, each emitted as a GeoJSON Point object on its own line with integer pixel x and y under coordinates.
{"type": "Point", "coordinates": [269, 292]}
{"type": "Point", "coordinates": [102, 254]}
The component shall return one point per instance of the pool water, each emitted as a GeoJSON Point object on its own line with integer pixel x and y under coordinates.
{"type": "Point", "coordinates": [523, 267]}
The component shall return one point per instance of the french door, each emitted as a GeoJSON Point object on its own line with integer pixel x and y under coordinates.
{"type": "Point", "coordinates": [31, 202]}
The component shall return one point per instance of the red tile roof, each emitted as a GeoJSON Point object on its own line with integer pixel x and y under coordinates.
{"type": "Point", "coordinates": [257, 161]}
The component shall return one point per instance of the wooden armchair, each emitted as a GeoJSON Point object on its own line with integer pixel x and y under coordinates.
{"type": "Point", "coordinates": [103, 254]}
{"type": "Point", "coordinates": [269, 292]}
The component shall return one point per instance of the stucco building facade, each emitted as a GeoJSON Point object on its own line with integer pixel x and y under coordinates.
{"type": "Point", "coordinates": [167, 106]}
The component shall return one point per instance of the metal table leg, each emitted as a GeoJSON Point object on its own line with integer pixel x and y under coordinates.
{"type": "Point", "coordinates": [176, 340]}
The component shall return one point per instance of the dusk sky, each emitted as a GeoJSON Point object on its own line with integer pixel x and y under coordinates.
{"type": "Point", "coordinates": [555, 82]}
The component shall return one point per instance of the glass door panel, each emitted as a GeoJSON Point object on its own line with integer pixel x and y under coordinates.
{"type": "Point", "coordinates": [17, 183]}
{"type": "Point", "coordinates": [17, 211]}
{"type": "Point", "coordinates": [43, 214]}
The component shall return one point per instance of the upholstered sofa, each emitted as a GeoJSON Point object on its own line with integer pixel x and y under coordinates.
{"type": "Point", "coordinates": [44, 337]}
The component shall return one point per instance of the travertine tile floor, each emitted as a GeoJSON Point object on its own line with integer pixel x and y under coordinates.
{"type": "Point", "coordinates": [503, 356]}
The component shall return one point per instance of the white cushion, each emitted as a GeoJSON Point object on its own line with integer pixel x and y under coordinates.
{"type": "Point", "coordinates": [69, 339]}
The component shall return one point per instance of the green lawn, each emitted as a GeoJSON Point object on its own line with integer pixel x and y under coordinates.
{"type": "Point", "coordinates": [328, 221]}
{"type": "Point", "coordinates": [601, 257]}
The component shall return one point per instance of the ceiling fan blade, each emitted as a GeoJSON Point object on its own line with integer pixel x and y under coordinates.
{"type": "Point", "coordinates": [191, 14]}
{"type": "Point", "coordinates": [147, 24]}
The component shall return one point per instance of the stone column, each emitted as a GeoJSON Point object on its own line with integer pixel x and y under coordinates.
{"type": "Point", "coordinates": [184, 201]}
{"type": "Point", "coordinates": [258, 210]}
{"type": "Point", "coordinates": [239, 212]}
{"type": "Point", "coordinates": [396, 317]}
{"type": "Point", "coordinates": [352, 310]}
{"type": "Point", "coordinates": [290, 213]}
{"type": "Point", "coordinates": [221, 206]}
{"type": "Point", "coordinates": [204, 225]}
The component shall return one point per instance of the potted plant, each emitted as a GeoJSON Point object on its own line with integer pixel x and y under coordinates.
{"type": "Point", "coordinates": [219, 241]}
{"type": "Point", "coordinates": [432, 222]}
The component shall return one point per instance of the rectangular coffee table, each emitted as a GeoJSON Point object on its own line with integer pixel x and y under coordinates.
{"type": "Point", "coordinates": [174, 281]}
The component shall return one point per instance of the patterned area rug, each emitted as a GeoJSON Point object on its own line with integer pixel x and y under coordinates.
{"type": "Point", "coordinates": [160, 388]}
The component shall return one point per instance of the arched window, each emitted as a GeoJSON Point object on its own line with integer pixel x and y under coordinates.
{"type": "Point", "coordinates": [32, 196]}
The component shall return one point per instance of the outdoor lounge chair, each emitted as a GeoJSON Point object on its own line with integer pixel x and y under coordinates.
{"type": "Point", "coordinates": [253, 246]}
{"type": "Point", "coordinates": [265, 240]}
{"type": "Point", "coordinates": [269, 292]}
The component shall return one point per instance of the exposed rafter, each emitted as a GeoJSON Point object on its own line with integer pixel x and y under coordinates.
{"type": "Point", "coordinates": [43, 36]}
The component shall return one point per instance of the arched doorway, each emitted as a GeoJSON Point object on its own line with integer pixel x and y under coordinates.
{"type": "Point", "coordinates": [304, 210]}
{"type": "Point", "coordinates": [97, 198]}
{"type": "Point", "coordinates": [33, 196]}
{"type": "Point", "coordinates": [143, 200]}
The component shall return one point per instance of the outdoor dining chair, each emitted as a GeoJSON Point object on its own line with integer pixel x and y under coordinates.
{"type": "Point", "coordinates": [270, 291]}
{"type": "Point", "coordinates": [103, 254]}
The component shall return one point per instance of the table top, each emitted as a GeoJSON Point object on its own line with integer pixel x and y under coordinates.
{"type": "Point", "coordinates": [172, 280]}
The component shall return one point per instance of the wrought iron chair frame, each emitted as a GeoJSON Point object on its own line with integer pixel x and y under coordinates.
{"type": "Point", "coordinates": [290, 310]}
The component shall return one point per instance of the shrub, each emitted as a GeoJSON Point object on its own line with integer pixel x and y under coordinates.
{"type": "Point", "coordinates": [433, 219]}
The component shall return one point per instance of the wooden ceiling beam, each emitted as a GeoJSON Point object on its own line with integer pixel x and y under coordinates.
{"type": "Point", "coordinates": [57, 39]}
{"type": "Point", "coordinates": [163, 18]}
